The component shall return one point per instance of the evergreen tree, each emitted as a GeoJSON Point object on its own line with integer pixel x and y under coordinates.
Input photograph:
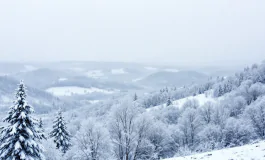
{"type": "Point", "coordinates": [60, 134]}
{"type": "Point", "coordinates": [21, 138]}
{"type": "Point", "coordinates": [169, 102]}
{"type": "Point", "coordinates": [135, 97]}
{"type": "Point", "coordinates": [166, 89]}
{"type": "Point", "coordinates": [40, 123]}
{"type": "Point", "coordinates": [41, 128]}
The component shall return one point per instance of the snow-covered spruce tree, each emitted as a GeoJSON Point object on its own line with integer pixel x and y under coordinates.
{"type": "Point", "coordinates": [60, 134]}
{"type": "Point", "coordinates": [20, 140]}
{"type": "Point", "coordinates": [135, 97]}
{"type": "Point", "coordinates": [41, 129]}
{"type": "Point", "coordinates": [169, 102]}
{"type": "Point", "coordinates": [40, 123]}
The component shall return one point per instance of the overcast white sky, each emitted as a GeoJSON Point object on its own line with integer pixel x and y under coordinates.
{"type": "Point", "coordinates": [172, 31]}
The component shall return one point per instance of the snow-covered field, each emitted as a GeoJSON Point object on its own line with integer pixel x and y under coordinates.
{"type": "Point", "coordinates": [118, 71]}
{"type": "Point", "coordinates": [150, 68]}
{"type": "Point", "coordinates": [171, 70]}
{"type": "Point", "coordinates": [62, 79]}
{"type": "Point", "coordinates": [94, 74]}
{"type": "Point", "coordinates": [71, 90]}
{"type": "Point", "coordinates": [247, 152]}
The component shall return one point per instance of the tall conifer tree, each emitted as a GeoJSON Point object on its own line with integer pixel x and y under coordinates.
{"type": "Point", "coordinates": [21, 138]}
{"type": "Point", "coordinates": [60, 134]}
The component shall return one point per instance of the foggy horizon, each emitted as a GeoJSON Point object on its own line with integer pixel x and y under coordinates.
{"type": "Point", "coordinates": [223, 65]}
{"type": "Point", "coordinates": [179, 33]}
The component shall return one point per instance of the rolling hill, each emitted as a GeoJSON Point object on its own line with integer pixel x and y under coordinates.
{"type": "Point", "coordinates": [169, 78]}
{"type": "Point", "coordinates": [43, 102]}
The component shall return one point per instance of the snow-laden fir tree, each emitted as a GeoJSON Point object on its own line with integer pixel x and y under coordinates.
{"type": "Point", "coordinates": [41, 129]}
{"type": "Point", "coordinates": [169, 102]}
{"type": "Point", "coordinates": [60, 134]}
{"type": "Point", "coordinates": [135, 97]}
{"type": "Point", "coordinates": [20, 140]}
{"type": "Point", "coordinates": [40, 123]}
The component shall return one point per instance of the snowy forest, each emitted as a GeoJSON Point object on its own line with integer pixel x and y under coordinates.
{"type": "Point", "coordinates": [132, 80]}
{"type": "Point", "coordinates": [223, 112]}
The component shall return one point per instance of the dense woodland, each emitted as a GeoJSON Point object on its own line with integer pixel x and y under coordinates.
{"type": "Point", "coordinates": [123, 128]}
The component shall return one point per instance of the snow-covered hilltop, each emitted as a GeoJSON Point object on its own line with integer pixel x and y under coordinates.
{"type": "Point", "coordinates": [254, 151]}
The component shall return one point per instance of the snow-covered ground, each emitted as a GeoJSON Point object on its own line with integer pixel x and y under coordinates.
{"type": "Point", "coordinates": [71, 90]}
{"type": "Point", "coordinates": [201, 99]}
{"type": "Point", "coordinates": [171, 70]}
{"type": "Point", "coordinates": [94, 74]}
{"type": "Point", "coordinates": [62, 79]}
{"type": "Point", "coordinates": [94, 101]}
{"type": "Point", "coordinates": [150, 68]}
{"type": "Point", "coordinates": [248, 152]}
{"type": "Point", "coordinates": [118, 71]}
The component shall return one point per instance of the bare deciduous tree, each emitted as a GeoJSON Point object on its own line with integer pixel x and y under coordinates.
{"type": "Point", "coordinates": [93, 141]}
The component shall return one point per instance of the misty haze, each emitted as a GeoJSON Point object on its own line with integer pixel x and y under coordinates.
{"type": "Point", "coordinates": [132, 80]}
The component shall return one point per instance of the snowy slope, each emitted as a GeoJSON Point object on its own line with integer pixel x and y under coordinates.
{"type": "Point", "coordinates": [118, 71]}
{"type": "Point", "coordinates": [171, 70]}
{"type": "Point", "coordinates": [151, 68]}
{"type": "Point", "coordinates": [201, 98]}
{"type": "Point", "coordinates": [95, 74]}
{"type": "Point", "coordinates": [247, 152]}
